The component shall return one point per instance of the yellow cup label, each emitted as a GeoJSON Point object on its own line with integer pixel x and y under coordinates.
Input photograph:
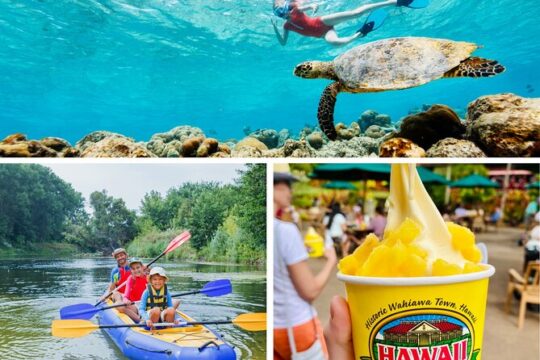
{"type": "Point", "coordinates": [428, 322]}
{"type": "Point", "coordinates": [421, 335]}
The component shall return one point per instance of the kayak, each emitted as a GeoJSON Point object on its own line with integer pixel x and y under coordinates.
{"type": "Point", "coordinates": [185, 343]}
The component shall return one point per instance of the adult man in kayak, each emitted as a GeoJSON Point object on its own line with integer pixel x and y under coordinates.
{"type": "Point", "coordinates": [323, 26]}
{"type": "Point", "coordinates": [119, 274]}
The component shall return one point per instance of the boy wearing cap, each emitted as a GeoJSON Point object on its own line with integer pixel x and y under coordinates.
{"type": "Point", "coordinates": [135, 285]}
{"type": "Point", "coordinates": [156, 302]}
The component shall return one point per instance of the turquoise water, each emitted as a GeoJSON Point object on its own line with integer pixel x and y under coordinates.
{"type": "Point", "coordinates": [139, 67]}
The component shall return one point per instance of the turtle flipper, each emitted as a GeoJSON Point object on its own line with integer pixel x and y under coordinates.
{"type": "Point", "coordinates": [325, 113]}
{"type": "Point", "coordinates": [476, 67]}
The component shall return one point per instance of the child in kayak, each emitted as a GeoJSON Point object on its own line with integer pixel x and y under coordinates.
{"type": "Point", "coordinates": [156, 302]}
{"type": "Point", "coordinates": [136, 284]}
{"type": "Point", "coordinates": [323, 26]}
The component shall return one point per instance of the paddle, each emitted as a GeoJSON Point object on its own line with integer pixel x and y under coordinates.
{"type": "Point", "coordinates": [175, 243]}
{"type": "Point", "coordinates": [87, 311]}
{"type": "Point", "coordinates": [79, 328]}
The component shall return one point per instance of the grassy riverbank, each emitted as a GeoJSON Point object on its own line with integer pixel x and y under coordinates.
{"type": "Point", "coordinates": [41, 250]}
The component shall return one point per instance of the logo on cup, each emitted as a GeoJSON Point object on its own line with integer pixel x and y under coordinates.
{"type": "Point", "coordinates": [422, 337]}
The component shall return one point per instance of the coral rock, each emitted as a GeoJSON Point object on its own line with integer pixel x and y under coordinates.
{"type": "Point", "coordinates": [249, 147]}
{"type": "Point", "coordinates": [95, 137]}
{"type": "Point", "coordinates": [269, 137]}
{"type": "Point", "coordinates": [377, 132]}
{"type": "Point", "coordinates": [347, 133]}
{"type": "Point", "coordinates": [284, 135]}
{"type": "Point", "coordinates": [161, 144]}
{"type": "Point", "coordinates": [315, 140]}
{"type": "Point", "coordinates": [17, 145]}
{"type": "Point", "coordinates": [371, 117]}
{"type": "Point", "coordinates": [190, 146]}
{"type": "Point", "coordinates": [116, 147]}
{"type": "Point", "coordinates": [455, 148]}
{"type": "Point", "coordinates": [400, 147]}
{"type": "Point", "coordinates": [426, 128]}
{"type": "Point", "coordinates": [505, 125]}
{"type": "Point", "coordinates": [355, 147]}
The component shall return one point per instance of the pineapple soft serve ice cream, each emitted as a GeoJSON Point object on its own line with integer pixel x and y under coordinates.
{"type": "Point", "coordinates": [420, 292]}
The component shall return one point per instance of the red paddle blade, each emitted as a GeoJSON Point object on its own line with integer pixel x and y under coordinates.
{"type": "Point", "coordinates": [177, 241]}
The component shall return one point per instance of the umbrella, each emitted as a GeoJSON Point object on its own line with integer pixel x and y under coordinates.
{"type": "Point", "coordinates": [352, 172]}
{"type": "Point", "coordinates": [339, 185]}
{"type": "Point", "coordinates": [429, 177]}
{"type": "Point", "coordinates": [535, 185]}
{"type": "Point", "coordinates": [475, 181]}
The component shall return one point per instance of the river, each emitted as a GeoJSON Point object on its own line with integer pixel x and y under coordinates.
{"type": "Point", "coordinates": [32, 291]}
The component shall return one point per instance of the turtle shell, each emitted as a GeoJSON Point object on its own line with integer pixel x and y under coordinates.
{"type": "Point", "coordinates": [399, 63]}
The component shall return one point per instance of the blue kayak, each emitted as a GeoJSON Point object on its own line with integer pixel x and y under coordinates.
{"type": "Point", "coordinates": [185, 343]}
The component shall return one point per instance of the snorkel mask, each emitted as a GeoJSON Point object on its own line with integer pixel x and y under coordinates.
{"type": "Point", "coordinates": [283, 11]}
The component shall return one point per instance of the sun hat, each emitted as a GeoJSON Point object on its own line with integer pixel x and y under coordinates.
{"type": "Point", "coordinates": [135, 260]}
{"type": "Point", "coordinates": [119, 251]}
{"type": "Point", "coordinates": [158, 270]}
{"type": "Point", "coordinates": [282, 173]}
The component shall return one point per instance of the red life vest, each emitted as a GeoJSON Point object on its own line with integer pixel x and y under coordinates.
{"type": "Point", "coordinates": [301, 23]}
{"type": "Point", "coordinates": [137, 287]}
{"type": "Point", "coordinates": [124, 274]}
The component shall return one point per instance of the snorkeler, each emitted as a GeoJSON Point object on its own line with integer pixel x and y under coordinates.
{"type": "Point", "coordinates": [323, 26]}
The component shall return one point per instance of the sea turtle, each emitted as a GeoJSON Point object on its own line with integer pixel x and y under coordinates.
{"type": "Point", "coordinates": [392, 64]}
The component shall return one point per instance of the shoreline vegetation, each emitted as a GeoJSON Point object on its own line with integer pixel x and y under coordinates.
{"type": "Point", "coordinates": [45, 217]}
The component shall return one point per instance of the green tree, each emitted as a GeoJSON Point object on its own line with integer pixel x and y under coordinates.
{"type": "Point", "coordinates": [112, 224]}
{"type": "Point", "coordinates": [35, 204]}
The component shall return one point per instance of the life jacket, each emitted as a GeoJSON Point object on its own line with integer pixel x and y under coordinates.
{"type": "Point", "coordinates": [156, 299]}
{"type": "Point", "coordinates": [121, 275]}
{"type": "Point", "coordinates": [138, 285]}
{"type": "Point", "coordinates": [301, 23]}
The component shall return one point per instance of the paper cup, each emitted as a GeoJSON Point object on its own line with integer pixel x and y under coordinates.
{"type": "Point", "coordinates": [315, 248]}
{"type": "Point", "coordinates": [422, 318]}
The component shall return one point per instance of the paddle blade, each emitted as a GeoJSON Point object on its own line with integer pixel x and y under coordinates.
{"type": "Point", "coordinates": [78, 311]}
{"type": "Point", "coordinates": [251, 321]}
{"type": "Point", "coordinates": [72, 328]}
{"type": "Point", "coordinates": [217, 288]}
{"type": "Point", "coordinates": [177, 241]}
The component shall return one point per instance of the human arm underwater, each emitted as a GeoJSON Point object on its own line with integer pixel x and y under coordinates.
{"type": "Point", "coordinates": [281, 38]}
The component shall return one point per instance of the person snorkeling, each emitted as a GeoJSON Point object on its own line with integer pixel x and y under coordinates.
{"type": "Point", "coordinates": [293, 12]}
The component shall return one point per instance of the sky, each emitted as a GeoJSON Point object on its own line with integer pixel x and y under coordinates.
{"type": "Point", "coordinates": [132, 181]}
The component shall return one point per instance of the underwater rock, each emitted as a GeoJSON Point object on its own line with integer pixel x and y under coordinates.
{"type": "Point", "coordinates": [167, 143]}
{"type": "Point", "coordinates": [426, 128]}
{"type": "Point", "coordinates": [315, 140]}
{"type": "Point", "coordinates": [371, 117]}
{"type": "Point", "coordinates": [347, 133]}
{"type": "Point", "coordinates": [116, 147]}
{"type": "Point", "coordinates": [455, 148]}
{"type": "Point", "coordinates": [249, 147]}
{"type": "Point", "coordinates": [376, 131]}
{"type": "Point", "coordinates": [505, 125]}
{"type": "Point", "coordinates": [269, 137]}
{"type": "Point", "coordinates": [355, 147]}
{"type": "Point", "coordinates": [17, 145]}
{"type": "Point", "coordinates": [199, 147]}
{"type": "Point", "coordinates": [283, 135]}
{"type": "Point", "coordinates": [306, 130]}
{"type": "Point", "coordinates": [400, 147]}
{"type": "Point", "coordinates": [95, 137]}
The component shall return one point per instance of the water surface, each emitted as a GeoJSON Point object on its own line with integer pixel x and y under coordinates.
{"type": "Point", "coordinates": [33, 291]}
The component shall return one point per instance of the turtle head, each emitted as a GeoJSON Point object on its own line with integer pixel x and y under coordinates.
{"type": "Point", "coordinates": [315, 70]}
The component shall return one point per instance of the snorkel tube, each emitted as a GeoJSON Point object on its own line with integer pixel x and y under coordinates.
{"type": "Point", "coordinates": [283, 10]}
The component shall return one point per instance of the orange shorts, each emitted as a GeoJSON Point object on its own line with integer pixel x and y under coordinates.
{"type": "Point", "coordinates": [304, 337]}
